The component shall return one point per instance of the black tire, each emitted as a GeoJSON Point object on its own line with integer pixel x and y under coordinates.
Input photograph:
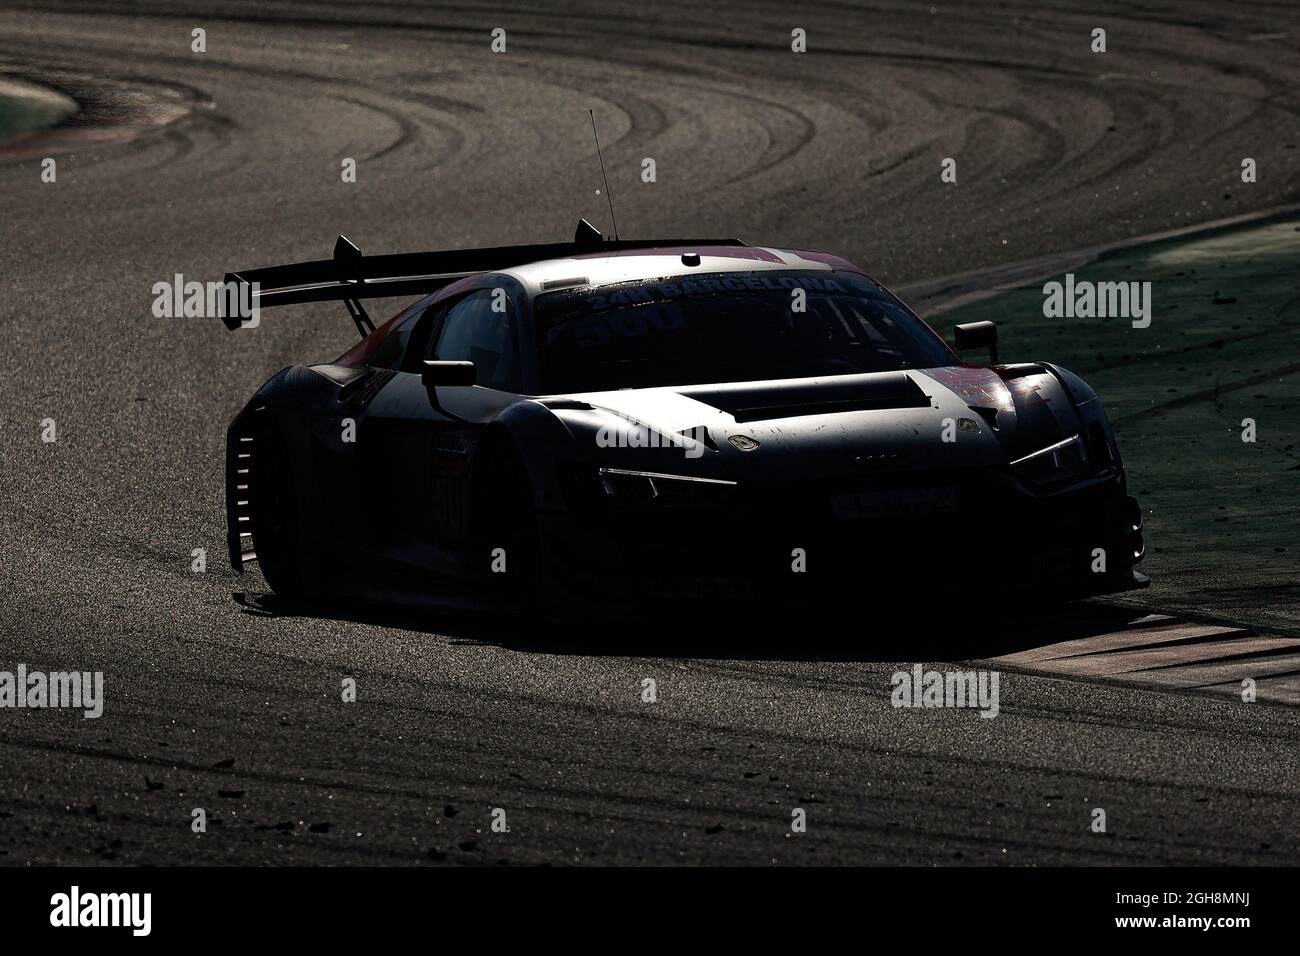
{"type": "Point", "coordinates": [506, 542]}
{"type": "Point", "coordinates": [275, 517]}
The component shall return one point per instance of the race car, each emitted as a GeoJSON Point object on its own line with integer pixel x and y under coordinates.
{"type": "Point", "coordinates": [574, 426]}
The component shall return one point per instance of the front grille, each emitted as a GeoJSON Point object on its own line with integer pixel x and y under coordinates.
{"type": "Point", "coordinates": [997, 530]}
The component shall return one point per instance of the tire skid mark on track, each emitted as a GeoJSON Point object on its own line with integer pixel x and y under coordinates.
{"type": "Point", "coordinates": [111, 110]}
{"type": "Point", "coordinates": [407, 130]}
{"type": "Point", "coordinates": [1208, 394]}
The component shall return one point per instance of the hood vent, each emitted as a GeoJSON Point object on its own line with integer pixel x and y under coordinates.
{"type": "Point", "coordinates": [761, 402]}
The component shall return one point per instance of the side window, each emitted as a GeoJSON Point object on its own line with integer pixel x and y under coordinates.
{"type": "Point", "coordinates": [393, 347]}
{"type": "Point", "coordinates": [472, 332]}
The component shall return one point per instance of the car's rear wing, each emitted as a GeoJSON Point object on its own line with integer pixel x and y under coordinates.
{"type": "Point", "coordinates": [349, 276]}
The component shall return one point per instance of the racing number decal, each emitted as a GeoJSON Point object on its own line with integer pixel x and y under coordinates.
{"type": "Point", "coordinates": [597, 331]}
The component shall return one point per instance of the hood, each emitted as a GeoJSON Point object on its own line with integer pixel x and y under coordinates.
{"type": "Point", "coordinates": [821, 427]}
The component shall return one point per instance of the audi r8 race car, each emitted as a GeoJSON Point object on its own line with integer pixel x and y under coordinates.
{"type": "Point", "coordinates": [610, 421]}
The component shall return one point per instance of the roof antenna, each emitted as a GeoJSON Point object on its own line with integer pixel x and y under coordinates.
{"type": "Point", "coordinates": [608, 197]}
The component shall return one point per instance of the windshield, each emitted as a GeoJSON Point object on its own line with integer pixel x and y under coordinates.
{"type": "Point", "coordinates": [727, 327]}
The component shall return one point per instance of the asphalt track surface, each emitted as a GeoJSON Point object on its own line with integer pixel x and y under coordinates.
{"type": "Point", "coordinates": [233, 704]}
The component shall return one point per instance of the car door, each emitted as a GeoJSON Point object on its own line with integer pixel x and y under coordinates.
{"type": "Point", "coordinates": [414, 446]}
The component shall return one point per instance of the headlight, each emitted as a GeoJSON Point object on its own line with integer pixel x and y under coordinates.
{"type": "Point", "coordinates": [655, 487]}
{"type": "Point", "coordinates": [1065, 459]}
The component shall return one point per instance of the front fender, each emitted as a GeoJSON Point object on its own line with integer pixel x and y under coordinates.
{"type": "Point", "coordinates": [545, 444]}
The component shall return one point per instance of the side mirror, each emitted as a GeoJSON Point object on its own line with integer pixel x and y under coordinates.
{"type": "Point", "coordinates": [974, 335]}
{"type": "Point", "coordinates": [447, 373]}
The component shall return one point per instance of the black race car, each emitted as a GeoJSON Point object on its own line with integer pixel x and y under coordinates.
{"type": "Point", "coordinates": [609, 423]}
